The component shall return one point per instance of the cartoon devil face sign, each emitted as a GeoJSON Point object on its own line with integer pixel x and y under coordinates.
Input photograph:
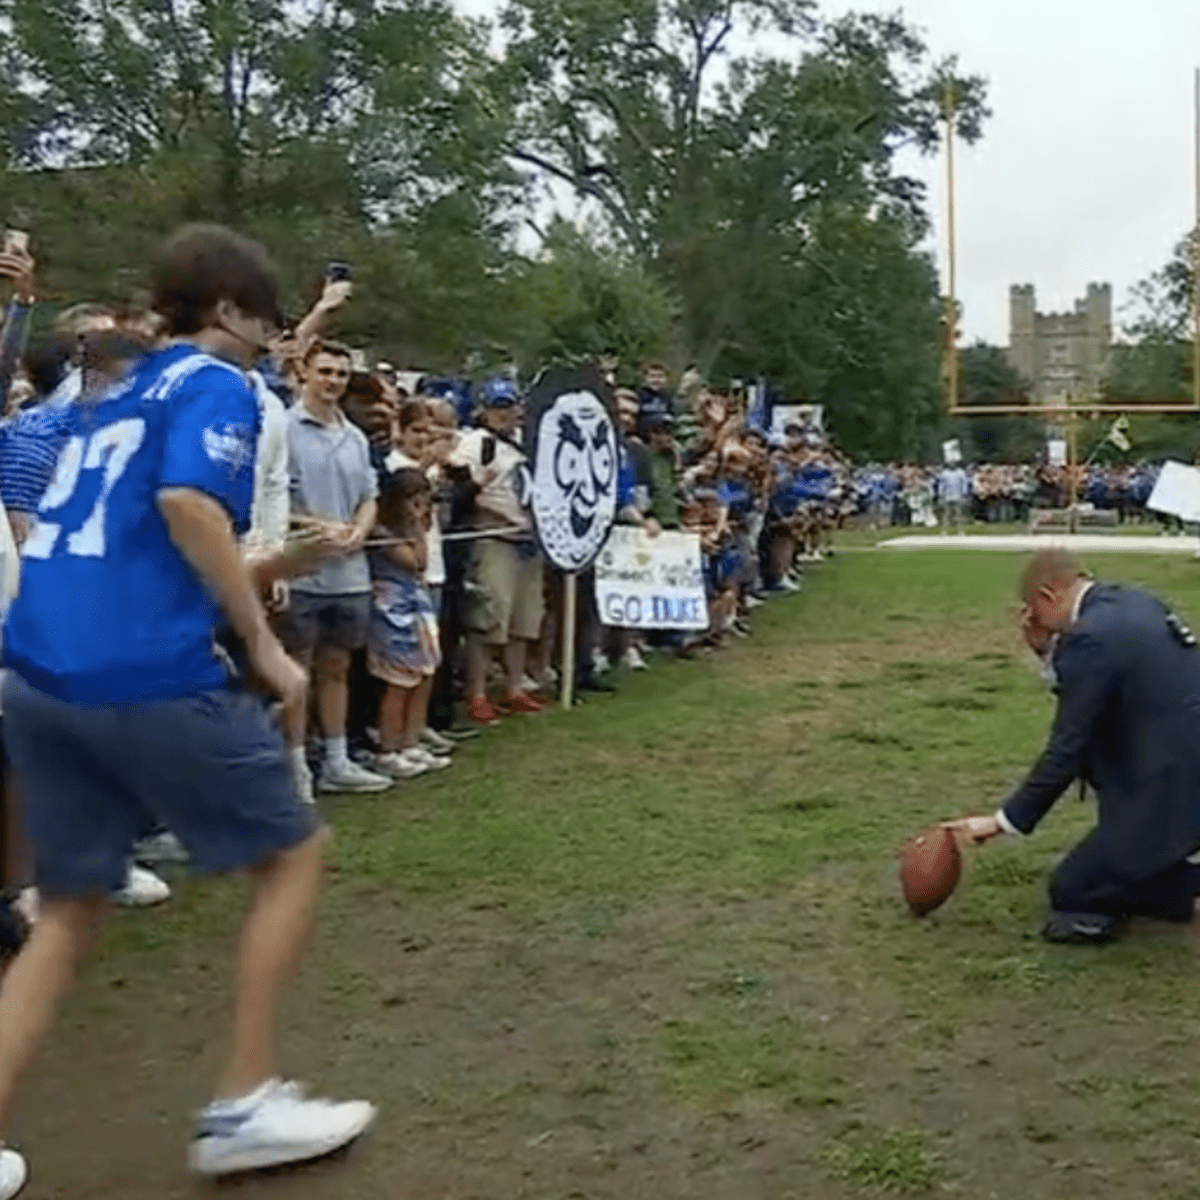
{"type": "Point", "coordinates": [575, 479]}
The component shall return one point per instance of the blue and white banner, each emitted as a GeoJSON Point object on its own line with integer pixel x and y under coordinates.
{"type": "Point", "coordinates": [645, 582]}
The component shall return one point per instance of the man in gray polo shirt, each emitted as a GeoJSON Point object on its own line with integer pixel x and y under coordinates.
{"type": "Point", "coordinates": [333, 482]}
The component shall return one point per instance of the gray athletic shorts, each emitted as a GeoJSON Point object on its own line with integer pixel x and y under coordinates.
{"type": "Point", "coordinates": [210, 767]}
{"type": "Point", "coordinates": [311, 620]}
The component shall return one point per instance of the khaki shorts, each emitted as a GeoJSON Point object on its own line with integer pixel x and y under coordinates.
{"type": "Point", "coordinates": [508, 590]}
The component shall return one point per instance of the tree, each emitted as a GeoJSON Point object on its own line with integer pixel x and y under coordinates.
{"type": "Point", "coordinates": [761, 190]}
{"type": "Point", "coordinates": [989, 379]}
{"type": "Point", "coordinates": [345, 129]}
{"type": "Point", "coordinates": [1154, 365]}
{"type": "Point", "coordinates": [580, 300]}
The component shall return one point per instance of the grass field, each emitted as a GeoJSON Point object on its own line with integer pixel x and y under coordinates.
{"type": "Point", "coordinates": [655, 948]}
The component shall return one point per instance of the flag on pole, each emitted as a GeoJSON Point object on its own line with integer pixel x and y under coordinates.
{"type": "Point", "coordinates": [1118, 434]}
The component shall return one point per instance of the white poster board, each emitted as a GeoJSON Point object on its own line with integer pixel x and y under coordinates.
{"type": "Point", "coordinates": [1177, 492]}
{"type": "Point", "coordinates": [952, 452]}
{"type": "Point", "coordinates": [783, 415]}
{"type": "Point", "coordinates": [1056, 452]}
{"type": "Point", "coordinates": [651, 583]}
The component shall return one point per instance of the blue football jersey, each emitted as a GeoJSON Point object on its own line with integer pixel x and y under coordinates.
{"type": "Point", "coordinates": [109, 611]}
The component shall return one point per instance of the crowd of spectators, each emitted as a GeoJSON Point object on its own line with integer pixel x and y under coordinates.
{"type": "Point", "coordinates": [392, 540]}
{"type": "Point", "coordinates": [907, 494]}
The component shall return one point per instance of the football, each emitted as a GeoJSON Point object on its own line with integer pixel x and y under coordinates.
{"type": "Point", "coordinates": [929, 870]}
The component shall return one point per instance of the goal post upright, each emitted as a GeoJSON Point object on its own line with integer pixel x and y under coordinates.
{"type": "Point", "coordinates": [1084, 407]}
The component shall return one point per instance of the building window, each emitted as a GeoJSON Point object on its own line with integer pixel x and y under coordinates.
{"type": "Point", "coordinates": [1060, 353]}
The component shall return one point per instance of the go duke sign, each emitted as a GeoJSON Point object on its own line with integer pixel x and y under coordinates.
{"type": "Point", "coordinates": [651, 583]}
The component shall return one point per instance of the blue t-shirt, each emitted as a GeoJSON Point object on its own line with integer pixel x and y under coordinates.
{"type": "Point", "coordinates": [109, 611]}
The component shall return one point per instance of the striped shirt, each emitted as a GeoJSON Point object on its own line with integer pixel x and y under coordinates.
{"type": "Point", "coordinates": [30, 445]}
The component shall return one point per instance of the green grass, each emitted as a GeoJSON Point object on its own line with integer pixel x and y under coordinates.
{"type": "Point", "coordinates": [676, 910]}
{"type": "Point", "coordinates": [894, 1160]}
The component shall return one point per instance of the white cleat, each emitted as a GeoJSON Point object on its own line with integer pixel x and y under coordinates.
{"type": "Point", "coordinates": [143, 889]}
{"type": "Point", "coordinates": [275, 1125]}
{"type": "Point", "coordinates": [13, 1173]}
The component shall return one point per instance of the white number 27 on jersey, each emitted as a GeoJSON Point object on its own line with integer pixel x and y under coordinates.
{"type": "Point", "coordinates": [111, 448]}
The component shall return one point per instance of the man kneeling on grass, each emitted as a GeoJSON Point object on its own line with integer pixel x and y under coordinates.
{"type": "Point", "coordinates": [1127, 673]}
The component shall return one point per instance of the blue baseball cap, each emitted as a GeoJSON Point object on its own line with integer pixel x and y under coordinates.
{"type": "Point", "coordinates": [498, 393]}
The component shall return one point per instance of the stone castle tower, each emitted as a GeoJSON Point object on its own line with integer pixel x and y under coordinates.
{"type": "Point", "coordinates": [1060, 354]}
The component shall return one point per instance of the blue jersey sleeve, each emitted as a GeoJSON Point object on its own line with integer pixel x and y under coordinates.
{"type": "Point", "coordinates": [212, 439]}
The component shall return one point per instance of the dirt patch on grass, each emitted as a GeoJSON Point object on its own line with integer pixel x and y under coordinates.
{"type": "Point", "coordinates": [732, 1045]}
{"type": "Point", "coordinates": [672, 961]}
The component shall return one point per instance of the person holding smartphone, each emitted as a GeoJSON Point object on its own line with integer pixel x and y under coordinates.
{"type": "Point", "coordinates": [17, 265]}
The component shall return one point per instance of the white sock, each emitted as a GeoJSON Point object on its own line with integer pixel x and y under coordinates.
{"type": "Point", "coordinates": [241, 1103]}
{"type": "Point", "coordinates": [335, 751]}
{"type": "Point", "coordinates": [298, 761]}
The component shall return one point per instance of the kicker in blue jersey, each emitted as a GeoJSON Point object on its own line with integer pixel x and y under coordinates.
{"type": "Point", "coordinates": [109, 611]}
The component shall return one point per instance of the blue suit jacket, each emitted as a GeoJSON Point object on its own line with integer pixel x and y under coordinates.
{"type": "Point", "coordinates": [1128, 722]}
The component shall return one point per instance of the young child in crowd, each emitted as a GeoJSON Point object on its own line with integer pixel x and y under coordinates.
{"type": "Point", "coordinates": [402, 647]}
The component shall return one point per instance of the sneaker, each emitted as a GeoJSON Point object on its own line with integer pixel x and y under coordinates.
{"type": "Point", "coordinates": [600, 663]}
{"type": "Point", "coordinates": [142, 889]}
{"type": "Point", "coordinates": [302, 781]}
{"type": "Point", "coordinates": [398, 765]}
{"type": "Point", "coordinates": [430, 761]}
{"type": "Point", "coordinates": [13, 930]}
{"type": "Point", "coordinates": [350, 777]}
{"type": "Point", "coordinates": [480, 711]}
{"type": "Point", "coordinates": [435, 743]}
{"type": "Point", "coordinates": [160, 849]}
{"type": "Point", "coordinates": [522, 702]}
{"type": "Point", "coordinates": [26, 904]}
{"type": "Point", "coordinates": [633, 659]}
{"type": "Point", "coordinates": [528, 683]}
{"type": "Point", "coordinates": [459, 734]}
{"type": "Point", "coordinates": [274, 1126]}
{"type": "Point", "coordinates": [13, 1173]}
{"type": "Point", "coordinates": [753, 601]}
{"type": "Point", "coordinates": [593, 683]}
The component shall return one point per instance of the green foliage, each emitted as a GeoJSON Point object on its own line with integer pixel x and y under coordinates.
{"type": "Point", "coordinates": [762, 190]}
{"type": "Point", "coordinates": [744, 211]}
{"type": "Point", "coordinates": [987, 378]}
{"type": "Point", "coordinates": [1156, 366]}
{"type": "Point", "coordinates": [581, 299]}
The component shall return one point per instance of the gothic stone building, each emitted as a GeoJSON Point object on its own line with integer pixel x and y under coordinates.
{"type": "Point", "coordinates": [1060, 354]}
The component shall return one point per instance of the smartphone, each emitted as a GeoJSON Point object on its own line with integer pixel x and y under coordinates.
{"type": "Point", "coordinates": [16, 241]}
{"type": "Point", "coordinates": [338, 272]}
{"type": "Point", "coordinates": [358, 362]}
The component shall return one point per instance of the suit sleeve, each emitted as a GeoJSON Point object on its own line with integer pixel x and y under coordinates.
{"type": "Point", "coordinates": [1087, 674]}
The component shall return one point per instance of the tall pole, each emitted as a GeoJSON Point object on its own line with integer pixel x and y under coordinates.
{"type": "Point", "coordinates": [952, 251]}
{"type": "Point", "coordinates": [1196, 254]}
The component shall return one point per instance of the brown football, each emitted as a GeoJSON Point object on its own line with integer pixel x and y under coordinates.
{"type": "Point", "coordinates": [929, 870]}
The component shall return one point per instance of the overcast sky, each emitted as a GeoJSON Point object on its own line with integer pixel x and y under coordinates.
{"type": "Point", "coordinates": [1085, 170]}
